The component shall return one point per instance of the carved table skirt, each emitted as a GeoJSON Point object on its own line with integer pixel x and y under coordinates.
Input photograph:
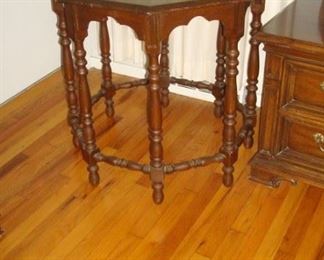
{"type": "Point", "coordinates": [152, 22]}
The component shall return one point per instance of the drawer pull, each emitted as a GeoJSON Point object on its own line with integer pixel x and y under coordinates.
{"type": "Point", "coordinates": [319, 139]}
{"type": "Point", "coordinates": [322, 86]}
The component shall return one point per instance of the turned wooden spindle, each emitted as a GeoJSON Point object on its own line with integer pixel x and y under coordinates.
{"type": "Point", "coordinates": [229, 133]}
{"type": "Point", "coordinates": [257, 8]}
{"type": "Point", "coordinates": [154, 116]}
{"type": "Point", "coordinates": [165, 73]}
{"type": "Point", "coordinates": [218, 90]}
{"type": "Point", "coordinates": [68, 72]}
{"type": "Point", "coordinates": [107, 87]}
{"type": "Point", "coordinates": [86, 111]}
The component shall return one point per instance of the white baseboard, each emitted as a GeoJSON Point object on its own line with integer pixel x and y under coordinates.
{"type": "Point", "coordinates": [119, 68]}
{"type": "Point", "coordinates": [138, 72]}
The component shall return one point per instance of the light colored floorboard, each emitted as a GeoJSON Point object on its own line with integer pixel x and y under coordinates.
{"type": "Point", "coordinates": [48, 210]}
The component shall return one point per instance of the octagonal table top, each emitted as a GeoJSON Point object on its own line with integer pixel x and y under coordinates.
{"type": "Point", "coordinates": [150, 4]}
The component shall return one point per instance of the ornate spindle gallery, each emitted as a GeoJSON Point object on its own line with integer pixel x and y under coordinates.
{"type": "Point", "coordinates": [152, 23]}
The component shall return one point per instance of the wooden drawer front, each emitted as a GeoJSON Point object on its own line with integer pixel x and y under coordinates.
{"type": "Point", "coordinates": [301, 138]}
{"type": "Point", "coordinates": [306, 84]}
{"type": "Point", "coordinates": [273, 66]}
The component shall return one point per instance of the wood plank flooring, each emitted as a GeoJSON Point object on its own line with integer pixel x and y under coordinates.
{"type": "Point", "coordinates": [48, 210]}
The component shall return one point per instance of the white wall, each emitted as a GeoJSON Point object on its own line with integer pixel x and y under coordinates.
{"type": "Point", "coordinates": [28, 43]}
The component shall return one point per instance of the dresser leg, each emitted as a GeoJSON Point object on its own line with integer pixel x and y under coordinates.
{"type": "Point", "coordinates": [68, 72]}
{"type": "Point", "coordinates": [164, 74]}
{"type": "Point", "coordinates": [107, 86]}
{"type": "Point", "coordinates": [257, 8]}
{"type": "Point", "coordinates": [86, 112]}
{"type": "Point", "coordinates": [229, 133]}
{"type": "Point", "coordinates": [219, 87]}
{"type": "Point", "coordinates": [154, 118]}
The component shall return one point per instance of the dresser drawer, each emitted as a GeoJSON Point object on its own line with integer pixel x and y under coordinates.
{"type": "Point", "coordinates": [305, 139]}
{"type": "Point", "coordinates": [305, 83]}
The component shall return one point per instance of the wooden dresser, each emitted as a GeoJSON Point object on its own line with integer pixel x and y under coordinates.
{"type": "Point", "coordinates": [291, 140]}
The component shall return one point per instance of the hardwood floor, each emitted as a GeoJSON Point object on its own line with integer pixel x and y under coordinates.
{"type": "Point", "coordinates": [48, 210]}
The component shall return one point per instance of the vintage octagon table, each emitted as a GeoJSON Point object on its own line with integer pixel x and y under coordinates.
{"type": "Point", "coordinates": [153, 21]}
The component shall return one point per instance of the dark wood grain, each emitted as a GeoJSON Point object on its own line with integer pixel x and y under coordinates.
{"type": "Point", "coordinates": [12, 164]}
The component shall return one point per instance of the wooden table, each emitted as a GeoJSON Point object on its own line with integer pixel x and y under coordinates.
{"type": "Point", "coordinates": [152, 22]}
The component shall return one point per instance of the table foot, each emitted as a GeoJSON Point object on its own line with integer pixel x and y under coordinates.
{"type": "Point", "coordinates": [110, 111]}
{"type": "Point", "coordinates": [228, 176]}
{"type": "Point", "coordinates": [94, 177]}
{"type": "Point", "coordinates": [248, 141]}
{"type": "Point", "coordinates": [158, 195]}
{"type": "Point", "coordinates": [157, 179]}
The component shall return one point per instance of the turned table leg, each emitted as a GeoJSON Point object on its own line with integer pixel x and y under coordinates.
{"type": "Point", "coordinates": [219, 87]}
{"type": "Point", "coordinates": [107, 87]}
{"type": "Point", "coordinates": [68, 72]}
{"type": "Point", "coordinates": [257, 8]}
{"type": "Point", "coordinates": [164, 74]}
{"type": "Point", "coordinates": [154, 118]}
{"type": "Point", "coordinates": [229, 133]}
{"type": "Point", "coordinates": [86, 111]}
